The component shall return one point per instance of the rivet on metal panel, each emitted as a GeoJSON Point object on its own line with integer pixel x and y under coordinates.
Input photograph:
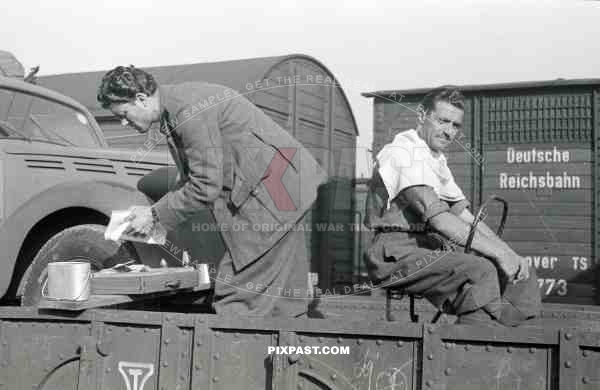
{"type": "Point", "coordinates": [430, 356]}
{"type": "Point", "coordinates": [400, 343]}
{"type": "Point", "coordinates": [216, 356]}
{"type": "Point", "coordinates": [568, 364]}
{"type": "Point", "coordinates": [198, 366]}
{"type": "Point", "coordinates": [531, 350]}
{"type": "Point", "coordinates": [310, 365]}
{"type": "Point", "coordinates": [509, 349]}
{"type": "Point", "coordinates": [198, 342]}
{"type": "Point", "coordinates": [430, 330]}
{"type": "Point", "coordinates": [339, 340]}
{"type": "Point", "coordinates": [165, 364]}
{"type": "Point", "coordinates": [108, 369]}
{"type": "Point", "coordinates": [61, 356]}
{"type": "Point", "coordinates": [215, 379]}
{"type": "Point", "coordinates": [167, 341]}
{"type": "Point", "coordinates": [236, 335]}
{"type": "Point", "coordinates": [448, 371]}
{"type": "Point", "coordinates": [301, 338]}
{"type": "Point", "coordinates": [568, 336]}
{"type": "Point", "coordinates": [467, 348]}
{"type": "Point", "coordinates": [359, 341]}
{"type": "Point", "coordinates": [428, 383]}
{"type": "Point", "coordinates": [333, 376]}
{"type": "Point", "coordinates": [320, 339]}
{"type": "Point", "coordinates": [293, 358]}
{"type": "Point", "coordinates": [488, 348]}
{"type": "Point", "coordinates": [586, 353]}
{"type": "Point", "coordinates": [217, 334]}
{"type": "Point", "coordinates": [378, 342]}
{"type": "Point", "coordinates": [167, 318]}
{"type": "Point", "coordinates": [585, 380]}
{"type": "Point", "coordinates": [109, 329]}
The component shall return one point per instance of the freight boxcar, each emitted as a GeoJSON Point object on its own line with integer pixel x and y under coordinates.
{"type": "Point", "coordinates": [536, 145]}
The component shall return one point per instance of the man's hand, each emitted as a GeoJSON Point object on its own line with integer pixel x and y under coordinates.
{"type": "Point", "coordinates": [523, 272]}
{"type": "Point", "coordinates": [515, 267]}
{"type": "Point", "coordinates": [510, 266]}
{"type": "Point", "coordinates": [142, 221]}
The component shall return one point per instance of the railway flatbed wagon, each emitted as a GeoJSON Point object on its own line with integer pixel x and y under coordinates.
{"type": "Point", "coordinates": [143, 350]}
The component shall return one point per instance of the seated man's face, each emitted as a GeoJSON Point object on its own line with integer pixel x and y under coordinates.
{"type": "Point", "coordinates": [441, 125]}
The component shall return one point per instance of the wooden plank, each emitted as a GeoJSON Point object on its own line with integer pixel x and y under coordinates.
{"type": "Point", "coordinates": [544, 208]}
{"type": "Point", "coordinates": [526, 247]}
{"type": "Point", "coordinates": [582, 236]}
{"type": "Point", "coordinates": [541, 221]}
{"type": "Point", "coordinates": [309, 133]}
{"type": "Point", "coordinates": [271, 100]}
{"type": "Point", "coordinates": [557, 196]}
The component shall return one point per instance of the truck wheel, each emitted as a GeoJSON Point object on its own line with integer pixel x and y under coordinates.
{"type": "Point", "coordinates": [81, 240]}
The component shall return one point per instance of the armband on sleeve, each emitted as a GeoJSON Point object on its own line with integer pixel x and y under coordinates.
{"type": "Point", "coordinates": [424, 201]}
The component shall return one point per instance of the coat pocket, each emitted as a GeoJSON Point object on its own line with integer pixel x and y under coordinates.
{"type": "Point", "coordinates": [244, 185]}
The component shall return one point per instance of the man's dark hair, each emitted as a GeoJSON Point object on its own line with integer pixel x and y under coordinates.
{"type": "Point", "coordinates": [121, 84]}
{"type": "Point", "coordinates": [448, 94]}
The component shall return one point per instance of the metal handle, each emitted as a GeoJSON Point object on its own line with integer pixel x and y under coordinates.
{"type": "Point", "coordinates": [479, 217]}
{"type": "Point", "coordinates": [173, 284]}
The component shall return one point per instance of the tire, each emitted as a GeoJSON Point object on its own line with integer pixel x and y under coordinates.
{"type": "Point", "coordinates": [80, 240]}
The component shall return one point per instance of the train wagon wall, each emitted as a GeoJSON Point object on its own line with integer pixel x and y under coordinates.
{"type": "Point", "coordinates": [534, 144]}
{"type": "Point", "coordinates": [118, 349]}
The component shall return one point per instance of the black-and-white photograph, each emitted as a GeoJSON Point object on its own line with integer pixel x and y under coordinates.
{"type": "Point", "coordinates": [300, 195]}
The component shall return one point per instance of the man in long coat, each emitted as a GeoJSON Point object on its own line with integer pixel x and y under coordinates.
{"type": "Point", "coordinates": [257, 180]}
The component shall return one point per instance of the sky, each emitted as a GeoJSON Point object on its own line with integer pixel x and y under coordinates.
{"type": "Point", "coordinates": [368, 45]}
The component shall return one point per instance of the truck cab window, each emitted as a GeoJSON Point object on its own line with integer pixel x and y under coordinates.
{"type": "Point", "coordinates": [31, 117]}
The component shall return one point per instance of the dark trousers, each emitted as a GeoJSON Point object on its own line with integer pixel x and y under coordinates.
{"type": "Point", "coordinates": [275, 285]}
{"type": "Point", "coordinates": [453, 281]}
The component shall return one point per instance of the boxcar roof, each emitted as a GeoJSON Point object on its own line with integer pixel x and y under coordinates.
{"type": "Point", "coordinates": [475, 88]}
{"type": "Point", "coordinates": [234, 74]}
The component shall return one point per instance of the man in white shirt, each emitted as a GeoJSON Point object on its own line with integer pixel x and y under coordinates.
{"type": "Point", "coordinates": [420, 217]}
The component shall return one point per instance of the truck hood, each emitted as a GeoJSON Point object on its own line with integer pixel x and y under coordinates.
{"type": "Point", "coordinates": [161, 158]}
